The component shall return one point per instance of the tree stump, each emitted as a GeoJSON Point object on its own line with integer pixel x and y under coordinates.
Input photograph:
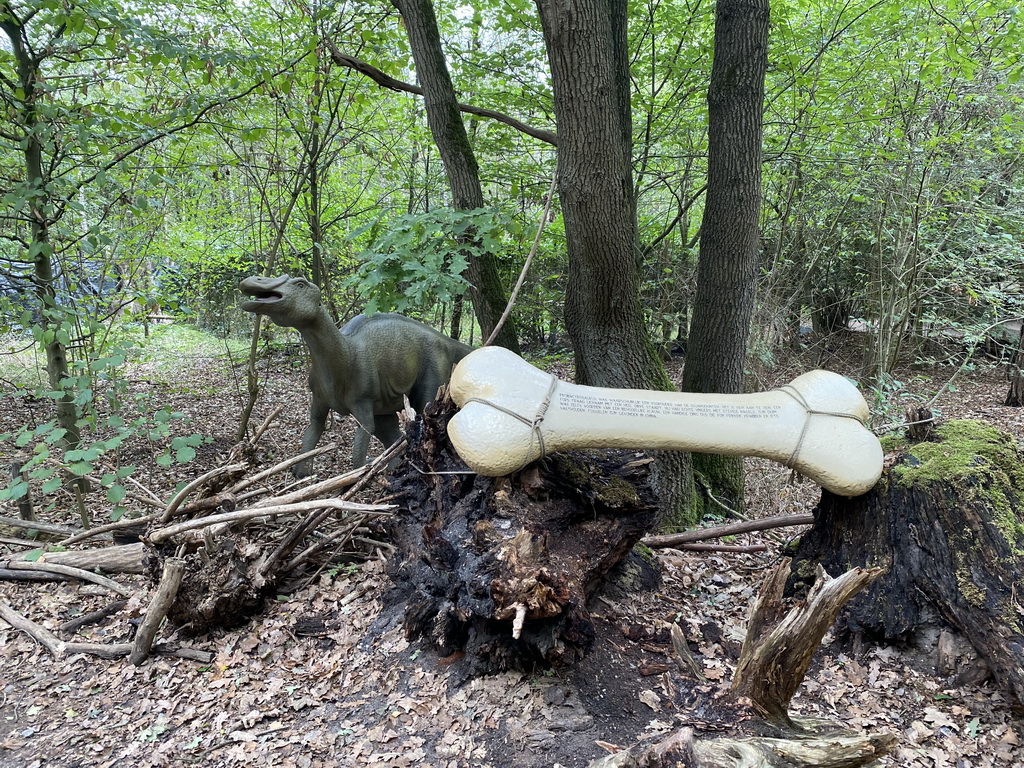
{"type": "Point", "coordinates": [501, 569]}
{"type": "Point", "coordinates": [748, 725]}
{"type": "Point", "coordinates": [945, 523]}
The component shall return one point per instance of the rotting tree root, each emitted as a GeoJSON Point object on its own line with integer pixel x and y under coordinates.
{"type": "Point", "coordinates": [502, 568]}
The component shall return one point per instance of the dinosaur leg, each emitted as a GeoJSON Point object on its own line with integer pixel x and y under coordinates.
{"type": "Point", "coordinates": [367, 426]}
{"type": "Point", "coordinates": [387, 430]}
{"type": "Point", "coordinates": [317, 421]}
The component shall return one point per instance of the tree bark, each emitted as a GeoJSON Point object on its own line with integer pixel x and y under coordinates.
{"type": "Point", "coordinates": [449, 132]}
{"type": "Point", "coordinates": [586, 44]}
{"type": "Point", "coordinates": [946, 523]}
{"type": "Point", "coordinates": [1015, 396]}
{"type": "Point", "coordinates": [588, 56]}
{"type": "Point", "coordinates": [729, 243]}
{"type": "Point", "coordinates": [39, 217]}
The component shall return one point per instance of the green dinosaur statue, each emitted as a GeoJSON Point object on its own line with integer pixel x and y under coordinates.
{"type": "Point", "coordinates": [364, 369]}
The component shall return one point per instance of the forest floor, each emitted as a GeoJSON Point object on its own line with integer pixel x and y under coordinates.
{"type": "Point", "coordinates": [359, 694]}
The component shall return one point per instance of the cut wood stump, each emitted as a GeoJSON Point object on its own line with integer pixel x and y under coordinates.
{"type": "Point", "coordinates": [946, 523]}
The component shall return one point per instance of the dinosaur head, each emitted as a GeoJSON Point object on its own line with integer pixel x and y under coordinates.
{"type": "Point", "coordinates": [288, 301]}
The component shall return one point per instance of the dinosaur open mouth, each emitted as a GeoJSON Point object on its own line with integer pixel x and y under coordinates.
{"type": "Point", "coordinates": [266, 296]}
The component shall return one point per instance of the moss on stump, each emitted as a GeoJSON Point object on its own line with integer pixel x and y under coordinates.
{"type": "Point", "coordinates": [946, 521]}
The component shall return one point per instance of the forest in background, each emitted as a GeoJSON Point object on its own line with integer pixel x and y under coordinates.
{"type": "Point", "coordinates": [152, 155]}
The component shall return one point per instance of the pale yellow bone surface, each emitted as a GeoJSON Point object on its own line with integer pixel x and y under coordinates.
{"type": "Point", "coordinates": [509, 408]}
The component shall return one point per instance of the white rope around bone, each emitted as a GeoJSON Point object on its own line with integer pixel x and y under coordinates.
{"type": "Point", "coordinates": [513, 413]}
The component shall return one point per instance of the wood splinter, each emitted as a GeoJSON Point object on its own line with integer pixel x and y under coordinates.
{"type": "Point", "coordinates": [517, 622]}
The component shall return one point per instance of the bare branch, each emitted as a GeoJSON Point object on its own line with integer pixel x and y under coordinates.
{"type": "Point", "coordinates": [386, 81]}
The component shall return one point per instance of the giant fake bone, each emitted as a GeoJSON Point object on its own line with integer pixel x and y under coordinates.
{"type": "Point", "coordinates": [512, 413]}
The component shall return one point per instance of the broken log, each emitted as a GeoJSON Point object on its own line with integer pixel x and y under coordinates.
{"type": "Point", "coordinates": [502, 568]}
{"type": "Point", "coordinates": [946, 522]}
{"type": "Point", "coordinates": [67, 571]}
{"type": "Point", "coordinates": [748, 726]}
{"type": "Point", "coordinates": [121, 558]}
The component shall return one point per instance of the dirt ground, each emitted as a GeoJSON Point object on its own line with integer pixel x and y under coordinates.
{"type": "Point", "coordinates": [356, 693]}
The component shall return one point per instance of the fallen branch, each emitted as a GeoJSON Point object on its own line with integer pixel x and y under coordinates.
{"type": "Point", "coordinates": [170, 580]}
{"type": "Point", "coordinates": [70, 572]}
{"type": "Point", "coordinates": [695, 547]}
{"type": "Point", "coordinates": [120, 525]}
{"type": "Point", "coordinates": [60, 649]}
{"type": "Point", "coordinates": [93, 617]}
{"type": "Point", "coordinates": [730, 529]}
{"type": "Point", "coordinates": [120, 558]}
{"type": "Point", "coordinates": [253, 513]}
{"type": "Point", "coordinates": [183, 494]}
{"type": "Point", "coordinates": [36, 525]}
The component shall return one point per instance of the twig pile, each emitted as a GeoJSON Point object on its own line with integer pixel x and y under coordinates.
{"type": "Point", "coordinates": [214, 551]}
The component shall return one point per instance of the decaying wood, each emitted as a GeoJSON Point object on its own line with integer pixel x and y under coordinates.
{"type": "Point", "coordinates": [121, 558]}
{"type": "Point", "coordinates": [79, 574]}
{"type": "Point", "coordinates": [36, 525]}
{"type": "Point", "coordinates": [947, 523]}
{"type": "Point", "coordinates": [502, 568]}
{"type": "Point", "coordinates": [776, 652]}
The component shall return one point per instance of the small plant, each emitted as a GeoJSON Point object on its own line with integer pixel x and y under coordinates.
{"type": "Point", "coordinates": [105, 419]}
{"type": "Point", "coordinates": [421, 259]}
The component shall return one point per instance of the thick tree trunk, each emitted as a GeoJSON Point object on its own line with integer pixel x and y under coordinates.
{"type": "Point", "coordinates": [449, 132]}
{"type": "Point", "coordinates": [729, 243]}
{"type": "Point", "coordinates": [586, 44]}
{"type": "Point", "coordinates": [588, 55]}
{"type": "Point", "coordinates": [946, 524]}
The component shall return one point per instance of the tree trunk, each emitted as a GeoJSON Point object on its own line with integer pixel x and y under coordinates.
{"type": "Point", "coordinates": [588, 55]}
{"type": "Point", "coordinates": [39, 207]}
{"type": "Point", "coordinates": [946, 523]}
{"type": "Point", "coordinates": [729, 243]}
{"type": "Point", "coordinates": [586, 44]}
{"type": "Point", "coordinates": [1015, 397]}
{"type": "Point", "coordinates": [449, 132]}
